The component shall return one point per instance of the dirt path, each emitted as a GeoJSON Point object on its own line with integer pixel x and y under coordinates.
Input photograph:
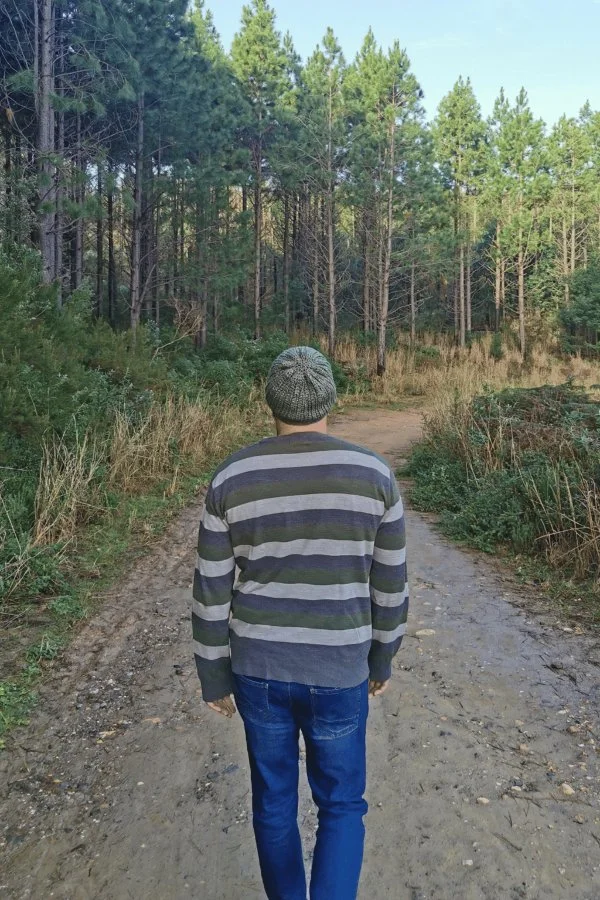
{"type": "Point", "coordinates": [126, 786]}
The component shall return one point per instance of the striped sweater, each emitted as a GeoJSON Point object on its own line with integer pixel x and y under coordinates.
{"type": "Point", "coordinates": [301, 570]}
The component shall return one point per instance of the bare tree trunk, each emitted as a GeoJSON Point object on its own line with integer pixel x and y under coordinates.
{"type": "Point", "coordinates": [498, 287]}
{"type": "Point", "coordinates": [257, 239]}
{"type": "Point", "coordinates": [366, 274]}
{"type": "Point", "coordinates": [60, 191]}
{"type": "Point", "coordinates": [112, 269]}
{"type": "Point", "coordinates": [331, 271]}
{"type": "Point", "coordinates": [99, 246]}
{"type": "Point", "coordinates": [286, 272]}
{"type": "Point", "coordinates": [521, 294]}
{"type": "Point", "coordinates": [573, 237]}
{"type": "Point", "coordinates": [79, 197]}
{"type": "Point", "coordinates": [385, 298]}
{"type": "Point", "coordinates": [45, 139]}
{"type": "Point", "coordinates": [315, 274]}
{"type": "Point", "coordinates": [136, 236]}
{"type": "Point", "coordinates": [413, 304]}
{"type": "Point", "coordinates": [468, 289]}
{"type": "Point", "coordinates": [461, 295]}
{"type": "Point", "coordinates": [565, 249]}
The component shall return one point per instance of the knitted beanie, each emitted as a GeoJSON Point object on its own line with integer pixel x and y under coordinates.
{"type": "Point", "coordinates": [300, 386]}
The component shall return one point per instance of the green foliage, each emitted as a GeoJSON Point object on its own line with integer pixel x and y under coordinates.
{"type": "Point", "coordinates": [518, 469]}
{"type": "Point", "coordinates": [581, 319]}
{"type": "Point", "coordinates": [496, 348]}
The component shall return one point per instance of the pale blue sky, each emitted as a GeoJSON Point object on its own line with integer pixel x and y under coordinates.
{"type": "Point", "coordinates": [548, 46]}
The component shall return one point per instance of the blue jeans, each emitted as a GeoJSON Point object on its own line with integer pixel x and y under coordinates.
{"type": "Point", "coordinates": [333, 722]}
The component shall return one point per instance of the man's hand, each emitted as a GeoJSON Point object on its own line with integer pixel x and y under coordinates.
{"type": "Point", "coordinates": [225, 707]}
{"type": "Point", "coordinates": [377, 688]}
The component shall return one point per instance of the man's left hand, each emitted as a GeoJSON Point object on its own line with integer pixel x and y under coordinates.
{"type": "Point", "coordinates": [225, 707]}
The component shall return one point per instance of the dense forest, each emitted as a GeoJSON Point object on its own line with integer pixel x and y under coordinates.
{"type": "Point", "coordinates": [186, 185]}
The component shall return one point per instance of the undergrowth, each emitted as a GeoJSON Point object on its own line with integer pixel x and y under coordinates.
{"type": "Point", "coordinates": [520, 469]}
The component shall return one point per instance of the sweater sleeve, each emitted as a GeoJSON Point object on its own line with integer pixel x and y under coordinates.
{"type": "Point", "coordinates": [389, 588]}
{"type": "Point", "coordinates": [212, 593]}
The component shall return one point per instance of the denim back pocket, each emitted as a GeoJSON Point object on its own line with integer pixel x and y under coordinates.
{"type": "Point", "coordinates": [335, 711]}
{"type": "Point", "coordinates": [252, 698]}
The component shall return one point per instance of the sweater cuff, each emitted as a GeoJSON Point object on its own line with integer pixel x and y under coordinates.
{"type": "Point", "coordinates": [379, 669]}
{"type": "Point", "coordinates": [217, 682]}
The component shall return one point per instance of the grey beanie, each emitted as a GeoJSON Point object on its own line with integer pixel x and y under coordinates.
{"type": "Point", "coordinates": [300, 386]}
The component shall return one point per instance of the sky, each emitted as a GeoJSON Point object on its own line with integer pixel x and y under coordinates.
{"type": "Point", "coordinates": [550, 47]}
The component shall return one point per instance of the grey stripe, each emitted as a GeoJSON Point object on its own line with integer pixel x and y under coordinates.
{"type": "Point", "coordinates": [214, 523]}
{"type": "Point", "coordinates": [305, 547]}
{"type": "Point", "coordinates": [218, 612]}
{"type": "Point", "coordinates": [287, 635]}
{"type": "Point", "coordinates": [211, 569]}
{"type": "Point", "coordinates": [277, 589]}
{"type": "Point", "coordinates": [380, 598]}
{"type": "Point", "coordinates": [386, 637]}
{"type": "Point", "coordinates": [389, 557]}
{"type": "Point", "coordinates": [301, 460]}
{"type": "Point", "coordinates": [301, 502]}
{"type": "Point", "coordinates": [394, 513]}
{"type": "Point", "coordinates": [206, 652]}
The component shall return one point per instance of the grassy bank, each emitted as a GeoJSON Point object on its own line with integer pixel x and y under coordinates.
{"type": "Point", "coordinates": [519, 469]}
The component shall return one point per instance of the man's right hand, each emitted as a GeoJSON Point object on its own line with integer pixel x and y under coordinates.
{"type": "Point", "coordinates": [377, 688]}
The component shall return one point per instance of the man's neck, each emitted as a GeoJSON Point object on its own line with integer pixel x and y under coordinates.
{"type": "Point", "coordinates": [283, 429]}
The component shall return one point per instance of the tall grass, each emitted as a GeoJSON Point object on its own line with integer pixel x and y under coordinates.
{"type": "Point", "coordinates": [436, 369]}
{"type": "Point", "coordinates": [78, 482]}
{"type": "Point", "coordinates": [517, 467]}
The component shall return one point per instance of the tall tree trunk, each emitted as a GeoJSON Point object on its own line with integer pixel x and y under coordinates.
{"type": "Point", "coordinates": [573, 237]}
{"type": "Point", "coordinates": [366, 274]}
{"type": "Point", "coordinates": [461, 297]}
{"type": "Point", "coordinates": [79, 199]}
{"type": "Point", "coordinates": [331, 271]}
{"type": "Point", "coordinates": [99, 247]}
{"type": "Point", "coordinates": [45, 137]}
{"type": "Point", "coordinates": [413, 304]}
{"type": "Point", "coordinates": [257, 239]}
{"type": "Point", "coordinates": [565, 249]}
{"type": "Point", "coordinates": [315, 273]}
{"type": "Point", "coordinates": [136, 231]}
{"type": "Point", "coordinates": [498, 286]}
{"type": "Point", "coordinates": [521, 293]}
{"type": "Point", "coordinates": [112, 268]}
{"type": "Point", "coordinates": [60, 197]}
{"type": "Point", "coordinates": [468, 288]}
{"type": "Point", "coordinates": [385, 298]}
{"type": "Point", "coordinates": [286, 262]}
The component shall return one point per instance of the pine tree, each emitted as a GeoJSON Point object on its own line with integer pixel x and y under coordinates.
{"type": "Point", "coordinates": [459, 133]}
{"type": "Point", "coordinates": [260, 65]}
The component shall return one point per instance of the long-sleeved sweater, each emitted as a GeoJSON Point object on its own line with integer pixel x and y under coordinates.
{"type": "Point", "coordinates": [301, 571]}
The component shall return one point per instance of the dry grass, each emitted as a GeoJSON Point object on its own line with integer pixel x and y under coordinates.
{"type": "Point", "coordinates": [450, 371]}
{"type": "Point", "coordinates": [67, 494]}
{"type": "Point", "coordinates": [175, 437]}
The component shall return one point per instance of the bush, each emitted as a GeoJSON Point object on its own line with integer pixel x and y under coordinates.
{"type": "Point", "coordinates": [519, 468]}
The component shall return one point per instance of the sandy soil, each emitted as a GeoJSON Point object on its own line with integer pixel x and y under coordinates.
{"type": "Point", "coordinates": [483, 754]}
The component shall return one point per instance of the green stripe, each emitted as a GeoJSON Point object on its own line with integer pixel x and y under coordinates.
{"type": "Point", "coordinates": [386, 585]}
{"type": "Point", "coordinates": [298, 488]}
{"type": "Point", "coordinates": [213, 637]}
{"type": "Point", "coordinates": [390, 539]}
{"type": "Point", "coordinates": [247, 533]}
{"type": "Point", "coordinates": [300, 620]}
{"type": "Point", "coordinates": [312, 576]}
{"type": "Point", "coordinates": [211, 553]}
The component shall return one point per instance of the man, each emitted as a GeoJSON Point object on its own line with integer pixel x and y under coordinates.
{"type": "Point", "coordinates": [309, 627]}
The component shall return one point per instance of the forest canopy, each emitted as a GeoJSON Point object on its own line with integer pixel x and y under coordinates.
{"type": "Point", "coordinates": [190, 186]}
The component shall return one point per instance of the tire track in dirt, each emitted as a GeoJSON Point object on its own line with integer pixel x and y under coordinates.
{"type": "Point", "coordinates": [126, 786]}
